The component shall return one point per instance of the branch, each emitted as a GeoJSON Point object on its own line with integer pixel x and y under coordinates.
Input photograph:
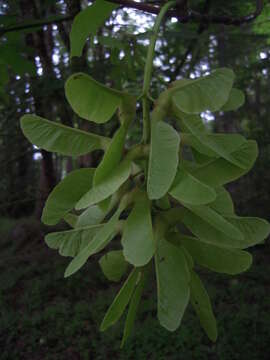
{"type": "Point", "coordinates": [183, 15]}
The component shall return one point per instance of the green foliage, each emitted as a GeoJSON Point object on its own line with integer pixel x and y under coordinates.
{"type": "Point", "coordinates": [91, 100]}
{"type": "Point", "coordinates": [71, 242]}
{"type": "Point", "coordinates": [163, 159]}
{"type": "Point", "coordinates": [121, 300]}
{"type": "Point", "coordinates": [66, 194]}
{"type": "Point", "coordinates": [113, 265]}
{"type": "Point", "coordinates": [87, 23]}
{"type": "Point", "coordinates": [151, 188]}
{"type": "Point", "coordinates": [173, 279]}
{"type": "Point", "coordinates": [99, 241]}
{"type": "Point", "coordinates": [106, 187]}
{"type": "Point", "coordinates": [137, 240]}
{"type": "Point", "coordinates": [132, 309]}
{"type": "Point", "coordinates": [190, 190]}
{"type": "Point", "coordinates": [216, 258]}
{"type": "Point", "coordinates": [51, 136]}
{"type": "Point", "coordinates": [201, 303]}
{"type": "Point", "coordinates": [235, 101]}
{"type": "Point", "coordinates": [208, 93]}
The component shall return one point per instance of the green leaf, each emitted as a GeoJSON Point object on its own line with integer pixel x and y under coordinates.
{"type": "Point", "coordinates": [173, 279]}
{"type": "Point", "coordinates": [163, 160]}
{"type": "Point", "coordinates": [66, 194]}
{"type": "Point", "coordinates": [202, 306]}
{"type": "Point", "coordinates": [163, 203]}
{"type": "Point", "coordinates": [121, 301]}
{"type": "Point", "coordinates": [132, 309]}
{"type": "Point", "coordinates": [210, 92]}
{"type": "Point", "coordinates": [100, 240]}
{"type": "Point", "coordinates": [223, 203]}
{"type": "Point", "coordinates": [219, 171]}
{"type": "Point", "coordinates": [107, 187]}
{"type": "Point", "coordinates": [65, 140]}
{"type": "Point", "coordinates": [137, 240]}
{"type": "Point", "coordinates": [194, 142]}
{"type": "Point", "coordinates": [113, 265]}
{"type": "Point", "coordinates": [91, 216]}
{"type": "Point", "coordinates": [189, 259]}
{"type": "Point", "coordinates": [112, 156]}
{"type": "Point", "coordinates": [188, 189]}
{"type": "Point", "coordinates": [199, 158]}
{"type": "Point", "coordinates": [70, 219]}
{"type": "Point", "coordinates": [72, 242]}
{"type": "Point", "coordinates": [87, 22]}
{"type": "Point", "coordinates": [194, 122]}
{"type": "Point", "coordinates": [92, 100]}
{"type": "Point", "coordinates": [215, 258]}
{"type": "Point", "coordinates": [216, 220]}
{"type": "Point", "coordinates": [235, 100]}
{"type": "Point", "coordinates": [255, 230]}
{"type": "Point", "coordinates": [111, 159]}
{"type": "Point", "coordinates": [222, 145]}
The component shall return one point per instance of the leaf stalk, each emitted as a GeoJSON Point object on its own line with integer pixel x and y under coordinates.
{"type": "Point", "coordinates": [148, 71]}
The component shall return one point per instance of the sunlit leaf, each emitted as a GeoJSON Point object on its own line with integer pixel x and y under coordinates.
{"type": "Point", "coordinates": [113, 265]}
{"type": "Point", "coordinates": [121, 301]}
{"type": "Point", "coordinates": [111, 159]}
{"type": "Point", "coordinates": [188, 189]}
{"type": "Point", "coordinates": [112, 156]}
{"type": "Point", "coordinates": [100, 240]}
{"type": "Point", "coordinates": [223, 145]}
{"type": "Point", "coordinates": [87, 23]}
{"type": "Point", "coordinates": [219, 171]}
{"type": "Point", "coordinates": [65, 140]}
{"type": "Point", "coordinates": [163, 160]}
{"type": "Point", "coordinates": [173, 279]}
{"type": "Point", "coordinates": [137, 240]}
{"type": "Point", "coordinates": [107, 187]}
{"type": "Point", "coordinates": [210, 92]}
{"type": "Point", "coordinates": [216, 220]}
{"type": "Point", "coordinates": [66, 194]}
{"type": "Point", "coordinates": [92, 100]}
{"type": "Point", "coordinates": [91, 216]}
{"type": "Point", "coordinates": [72, 242]}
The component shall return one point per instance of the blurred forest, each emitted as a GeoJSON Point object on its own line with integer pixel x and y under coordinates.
{"type": "Point", "coordinates": [43, 316]}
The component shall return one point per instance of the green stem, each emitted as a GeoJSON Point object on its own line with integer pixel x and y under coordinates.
{"type": "Point", "coordinates": [148, 70]}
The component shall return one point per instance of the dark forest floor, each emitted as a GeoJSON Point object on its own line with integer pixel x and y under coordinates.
{"type": "Point", "coordinates": [44, 316]}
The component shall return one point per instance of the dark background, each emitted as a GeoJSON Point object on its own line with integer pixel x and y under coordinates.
{"type": "Point", "coordinates": [43, 315]}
